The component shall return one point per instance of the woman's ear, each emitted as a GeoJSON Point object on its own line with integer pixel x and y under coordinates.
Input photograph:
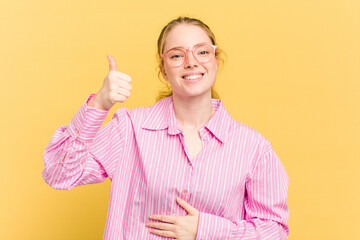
{"type": "Point", "coordinates": [163, 73]}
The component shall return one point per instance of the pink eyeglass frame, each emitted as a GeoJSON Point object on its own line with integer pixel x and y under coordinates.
{"type": "Point", "coordinates": [187, 50]}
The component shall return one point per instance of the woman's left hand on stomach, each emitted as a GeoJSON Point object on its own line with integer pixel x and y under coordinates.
{"type": "Point", "coordinates": [177, 227]}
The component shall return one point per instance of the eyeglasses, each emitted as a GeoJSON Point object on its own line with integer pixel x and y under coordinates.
{"type": "Point", "coordinates": [203, 53]}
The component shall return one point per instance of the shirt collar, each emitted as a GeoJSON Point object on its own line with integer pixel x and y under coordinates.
{"type": "Point", "coordinates": [162, 116]}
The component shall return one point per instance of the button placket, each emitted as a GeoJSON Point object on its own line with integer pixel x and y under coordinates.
{"type": "Point", "coordinates": [204, 136]}
{"type": "Point", "coordinates": [185, 192]}
{"type": "Point", "coordinates": [189, 187]}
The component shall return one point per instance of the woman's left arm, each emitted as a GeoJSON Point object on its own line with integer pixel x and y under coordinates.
{"type": "Point", "coordinates": [266, 210]}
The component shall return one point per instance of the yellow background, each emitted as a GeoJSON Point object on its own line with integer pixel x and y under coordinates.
{"type": "Point", "coordinates": [292, 73]}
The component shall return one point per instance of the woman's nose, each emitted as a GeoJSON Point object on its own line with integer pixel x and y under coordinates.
{"type": "Point", "coordinates": [190, 60]}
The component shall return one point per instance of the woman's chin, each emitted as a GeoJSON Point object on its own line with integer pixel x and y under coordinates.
{"type": "Point", "coordinates": [194, 93]}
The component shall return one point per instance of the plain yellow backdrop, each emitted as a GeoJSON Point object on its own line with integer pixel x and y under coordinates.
{"type": "Point", "coordinates": [292, 73]}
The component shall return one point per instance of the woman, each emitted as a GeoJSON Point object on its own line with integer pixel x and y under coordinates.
{"type": "Point", "coordinates": [182, 168]}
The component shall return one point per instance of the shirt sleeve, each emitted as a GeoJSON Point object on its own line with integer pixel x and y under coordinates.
{"type": "Point", "coordinates": [80, 153]}
{"type": "Point", "coordinates": [266, 211]}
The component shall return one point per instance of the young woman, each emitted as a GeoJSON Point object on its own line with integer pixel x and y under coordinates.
{"type": "Point", "coordinates": [182, 168]}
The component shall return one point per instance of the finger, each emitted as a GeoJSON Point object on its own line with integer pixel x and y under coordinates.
{"type": "Point", "coordinates": [122, 76]}
{"type": "Point", "coordinates": [125, 85]}
{"type": "Point", "coordinates": [188, 208]}
{"type": "Point", "coordinates": [112, 63]}
{"type": "Point", "coordinates": [161, 226]}
{"type": "Point", "coordinates": [121, 84]}
{"type": "Point", "coordinates": [123, 92]}
{"type": "Point", "coordinates": [118, 98]}
{"type": "Point", "coordinates": [163, 233]}
{"type": "Point", "coordinates": [163, 218]}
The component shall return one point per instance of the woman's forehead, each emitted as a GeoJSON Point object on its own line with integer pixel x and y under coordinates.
{"type": "Point", "coordinates": [185, 36]}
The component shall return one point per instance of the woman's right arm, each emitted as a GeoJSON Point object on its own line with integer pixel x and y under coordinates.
{"type": "Point", "coordinates": [80, 153]}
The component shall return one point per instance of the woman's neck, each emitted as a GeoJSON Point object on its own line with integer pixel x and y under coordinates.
{"type": "Point", "coordinates": [194, 112]}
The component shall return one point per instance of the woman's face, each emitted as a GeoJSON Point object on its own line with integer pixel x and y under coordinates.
{"type": "Point", "coordinates": [192, 78]}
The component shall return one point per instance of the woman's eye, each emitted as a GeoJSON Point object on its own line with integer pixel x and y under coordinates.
{"type": "Point", "coordinates": [203, 53]}
{"type": "Point", "coordinates": [175, 56]}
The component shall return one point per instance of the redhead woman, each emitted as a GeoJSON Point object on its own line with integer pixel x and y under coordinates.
{"type": "Point", "coordinates": [182, 168]}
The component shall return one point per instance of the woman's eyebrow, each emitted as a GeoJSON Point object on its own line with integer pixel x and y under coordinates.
{"type": "Point", "coordinates": [182, 47]}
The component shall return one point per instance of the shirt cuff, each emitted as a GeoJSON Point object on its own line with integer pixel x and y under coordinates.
{"type": "Point", "coordinates": [86, 122]}
{"type": "Point", "coordinates": [213, 227]}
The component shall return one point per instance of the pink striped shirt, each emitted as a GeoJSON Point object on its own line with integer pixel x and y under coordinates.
{"type": "Point", "coordinates": [237, 182]}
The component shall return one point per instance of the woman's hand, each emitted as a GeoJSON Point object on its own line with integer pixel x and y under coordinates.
{"type": "Point", "coordinates": [116, 88]}
{"type": "Point", "coordinates": [177, 227]}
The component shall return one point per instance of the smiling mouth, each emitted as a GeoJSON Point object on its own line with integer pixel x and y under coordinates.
{"type": "Point", "coordinates": [193, 77]}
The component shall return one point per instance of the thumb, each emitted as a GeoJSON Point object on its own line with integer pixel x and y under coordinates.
{"type": "Point", "coordinates": [112, 63]}
{"type": "Point", "coordinates": [188, 208]}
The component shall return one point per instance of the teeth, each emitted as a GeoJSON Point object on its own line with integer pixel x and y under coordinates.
{"type": "Point", "coordinates": [191, 77]}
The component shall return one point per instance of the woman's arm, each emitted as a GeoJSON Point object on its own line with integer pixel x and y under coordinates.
{"type": "Point", "coordinates": [79, 153]}
{"type": "Point", "coordinates": [265, 205]}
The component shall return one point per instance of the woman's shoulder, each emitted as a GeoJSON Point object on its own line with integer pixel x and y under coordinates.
{"type": "Point", "coordinates": [244, 131]}
{"type": "Point", "coordinates": [141, 113]}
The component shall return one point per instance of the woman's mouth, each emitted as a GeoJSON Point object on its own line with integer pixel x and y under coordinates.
{"type": "Point", "coordinates": [193, 77]}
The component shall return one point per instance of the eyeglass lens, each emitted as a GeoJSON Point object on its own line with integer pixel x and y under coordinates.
{"type": "Point", "coordinates": [203, 53]}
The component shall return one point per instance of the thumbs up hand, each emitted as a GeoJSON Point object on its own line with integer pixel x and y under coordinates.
{"type": "Point", "coordinates": [116, 88]}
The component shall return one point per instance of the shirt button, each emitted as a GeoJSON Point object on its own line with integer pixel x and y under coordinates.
{"type": "Point", "coordinates": [189, 163]}
{"type": "Point", "coordinates": [185, 191]}
{"type": "Point", "coordinates": [77, 131]}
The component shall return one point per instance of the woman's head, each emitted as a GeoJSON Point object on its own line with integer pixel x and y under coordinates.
{"type": "Point", "coordinates": [188, 31]}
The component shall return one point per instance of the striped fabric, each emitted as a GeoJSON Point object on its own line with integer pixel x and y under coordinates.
{"type": "Point", "coordinates": [237, 182]}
